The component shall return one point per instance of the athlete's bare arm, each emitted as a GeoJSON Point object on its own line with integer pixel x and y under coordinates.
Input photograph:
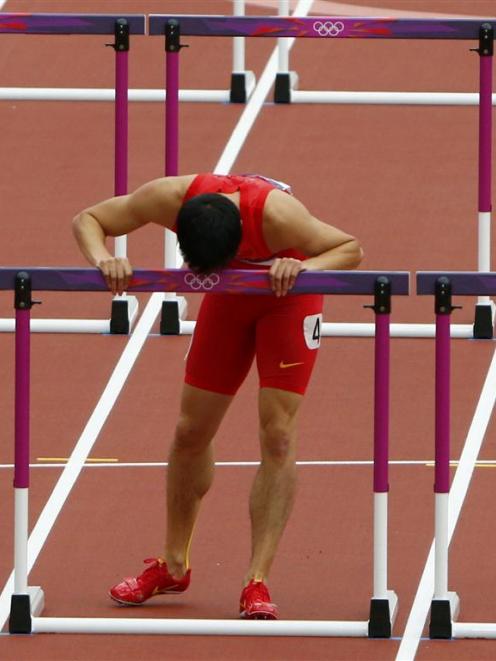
{"type": "Point", "coordinates": [288, 224]}
{"type": "Point", "coordinates": [156, 202]}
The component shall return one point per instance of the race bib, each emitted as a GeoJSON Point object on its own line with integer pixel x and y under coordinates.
{"type": "Point", "coordinates": [312, 326]}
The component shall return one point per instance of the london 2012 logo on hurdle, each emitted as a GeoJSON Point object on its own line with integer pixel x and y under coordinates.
{"type": "Point", "coordinates": [202, 282]}
{"type": "Point", "coordinates": [328, 28]}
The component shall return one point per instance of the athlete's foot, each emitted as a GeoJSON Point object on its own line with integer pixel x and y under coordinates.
{"type": "Point", "coordinates": [156, 579]}
{"type": "Point", "coordinates": [255, 602]}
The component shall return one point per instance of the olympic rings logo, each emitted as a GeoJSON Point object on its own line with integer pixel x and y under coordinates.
{"type": "Point", "coordinates": [329, 28]}
{"type": "Point", "coordinates": [202, 282]}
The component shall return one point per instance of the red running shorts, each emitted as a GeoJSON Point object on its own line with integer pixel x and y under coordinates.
{"type": "Point", "coordinates": [231, 329]}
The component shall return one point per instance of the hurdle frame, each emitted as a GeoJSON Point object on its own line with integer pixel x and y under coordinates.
{"type": "Point", "coordinates": [372, 28]}
{"type": "Point", "coordinates": [27, 602]}
{"type": "Point", "coordinates": [445, 605]}
{"type": "Point", "coordinates": [124, 308]}
{"type": "Point", "coordinates": [241, 85]}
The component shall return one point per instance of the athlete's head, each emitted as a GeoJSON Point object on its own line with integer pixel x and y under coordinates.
{"type": "Point", "coordinates": [208, 232]}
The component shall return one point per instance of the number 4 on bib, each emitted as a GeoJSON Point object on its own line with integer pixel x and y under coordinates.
{"type": "Point", "coordinates": [311, 329]}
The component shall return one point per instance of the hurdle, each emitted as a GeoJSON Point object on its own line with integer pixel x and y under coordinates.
{"type": "Point", "coordinates": [445, 604]}
{"type": "Point", "coordinates": [283, 26]}
{"type": "Point", "coordinates": [27, 602]}
{"type": "Point", "coordinates": [287, 82]}
{"type": "Point", "coordinates": [241, 86]}
{"type": "Point", "coordinates": [124, 308]}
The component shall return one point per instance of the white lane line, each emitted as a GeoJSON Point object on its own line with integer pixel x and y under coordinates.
{"type": "Point", "coordinates": [85, 443]}
{"type": "Point", "coordinates": [257, 99]}
{"type": "Point", "coordinates": [115, 463]}
{"type": "Point", "coordinates": [458, 491]}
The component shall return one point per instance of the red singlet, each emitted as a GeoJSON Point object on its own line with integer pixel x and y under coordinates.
{"type": "Point", "coordinates": [231, 329]}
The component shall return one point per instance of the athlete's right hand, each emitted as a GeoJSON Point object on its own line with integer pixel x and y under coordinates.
{"type": "Point", "coordinates": [117, 272]}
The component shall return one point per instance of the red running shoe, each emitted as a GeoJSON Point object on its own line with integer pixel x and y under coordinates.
{"type": "Point", "coordinates": [255, 602]}
{"type": "Point", "coordinates": [154, 580]}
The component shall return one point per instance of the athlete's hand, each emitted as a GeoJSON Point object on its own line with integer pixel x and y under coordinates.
{"type": "Point", "coordinates": [283, 273]}
{"type": "Point", "coordinates": [117, 272]}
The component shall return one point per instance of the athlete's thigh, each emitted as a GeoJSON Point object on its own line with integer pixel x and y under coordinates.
{"type": "Point", "coordinates": [288, 337]}
{"type": "Point", "coordinates": [223, 344]}
{"type": "Point", "coordinates": [201, 413]}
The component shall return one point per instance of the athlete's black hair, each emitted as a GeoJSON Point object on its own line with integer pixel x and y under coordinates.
{"type": "Point", "coordinates": [208, 231]}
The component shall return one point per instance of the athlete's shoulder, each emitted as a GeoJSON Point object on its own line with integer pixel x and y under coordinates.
{"type": "Point", "coordinates": [174, 185]}
{"type": "Point", "coordinates": [281, 207]}
{"type": "Point", "coordinates": [159, 200]}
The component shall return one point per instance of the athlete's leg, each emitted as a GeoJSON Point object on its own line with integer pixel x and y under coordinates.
{"type": "Point", "coordinates": [190, 470]}
{"type": "Point", "coordinates": [288, 336]}
{"type": "Point", "coordinates": [218, 360]}
{"type": "Point", "coordinates": [274, 487]}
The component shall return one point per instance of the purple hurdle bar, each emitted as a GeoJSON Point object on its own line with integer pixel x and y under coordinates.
{"type": "Point", "coordinates": [230, 281]}
{"type": "Point", "coordinates": [320, 27]}
{"type": "Point", "coordinates": [68, 23]}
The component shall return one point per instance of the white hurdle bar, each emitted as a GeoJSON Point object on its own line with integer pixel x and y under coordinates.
{"type": "Point", "coordinates": [104, 94]}
{"type": "Point", "coordinates": [331, 329]}
{"type": "Point", "coordinates": [185, 627]}
{"type": "Point", "coordinates": [387, 98]}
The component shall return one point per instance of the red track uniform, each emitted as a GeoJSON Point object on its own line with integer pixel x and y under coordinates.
{"type": "Point", "coordinates": [283, 333]}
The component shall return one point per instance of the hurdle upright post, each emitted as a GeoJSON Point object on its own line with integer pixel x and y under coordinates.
{"type": "Point", "coordinates": [24, 600]}
{"type": "Point", "coordinates": [242, 81]}
{"type": "Point", "coordinates": [445, 604]}
{"type": "Point", "coordinates": [173, 308]}
{"type": "Point", "coordinates": [384, 602]}
{"type": "Point", "coordinates": [123, 307]}
{"type": "Point", "coordinates": [286, 80]}
{"type": "Point", "coordinates": [483, 325]}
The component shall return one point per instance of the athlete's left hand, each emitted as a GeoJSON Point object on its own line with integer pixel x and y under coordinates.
{"type": "Point", "coordinates": [283, 273]}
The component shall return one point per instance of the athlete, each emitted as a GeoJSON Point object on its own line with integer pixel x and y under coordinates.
{"type": "Point", "coordinates": [245, 221]}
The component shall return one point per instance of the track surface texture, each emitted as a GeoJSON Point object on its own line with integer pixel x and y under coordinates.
{"type": "Point", "coordinates": [401, 178]}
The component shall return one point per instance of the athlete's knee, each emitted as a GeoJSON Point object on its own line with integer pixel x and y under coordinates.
{"type": "Point", "coordinates": [190, 436]}
{"type": "Point", "coordinates": [278, 441]}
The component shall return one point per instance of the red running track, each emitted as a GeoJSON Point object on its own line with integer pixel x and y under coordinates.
{"type": "Point", "coordinates": [403, 179]}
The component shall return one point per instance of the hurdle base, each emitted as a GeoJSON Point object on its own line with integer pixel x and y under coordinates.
{"type": "Point", "coordinates": [23, 607]}
{"type": "Point", "coordinates": [484, 321]}
{"type": "Point", "coordinates": [285, 82]}
{"type": "Point", "coordinates": [382, 616]}
{"type": "Point", "coordinates": [124, 311]}
{"type": "Point", "coordinates": [173, 310]}
{"type": "Point", "coordinates": [242, 85]}
{"type": "Point", "coordinates": [443, 613]}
